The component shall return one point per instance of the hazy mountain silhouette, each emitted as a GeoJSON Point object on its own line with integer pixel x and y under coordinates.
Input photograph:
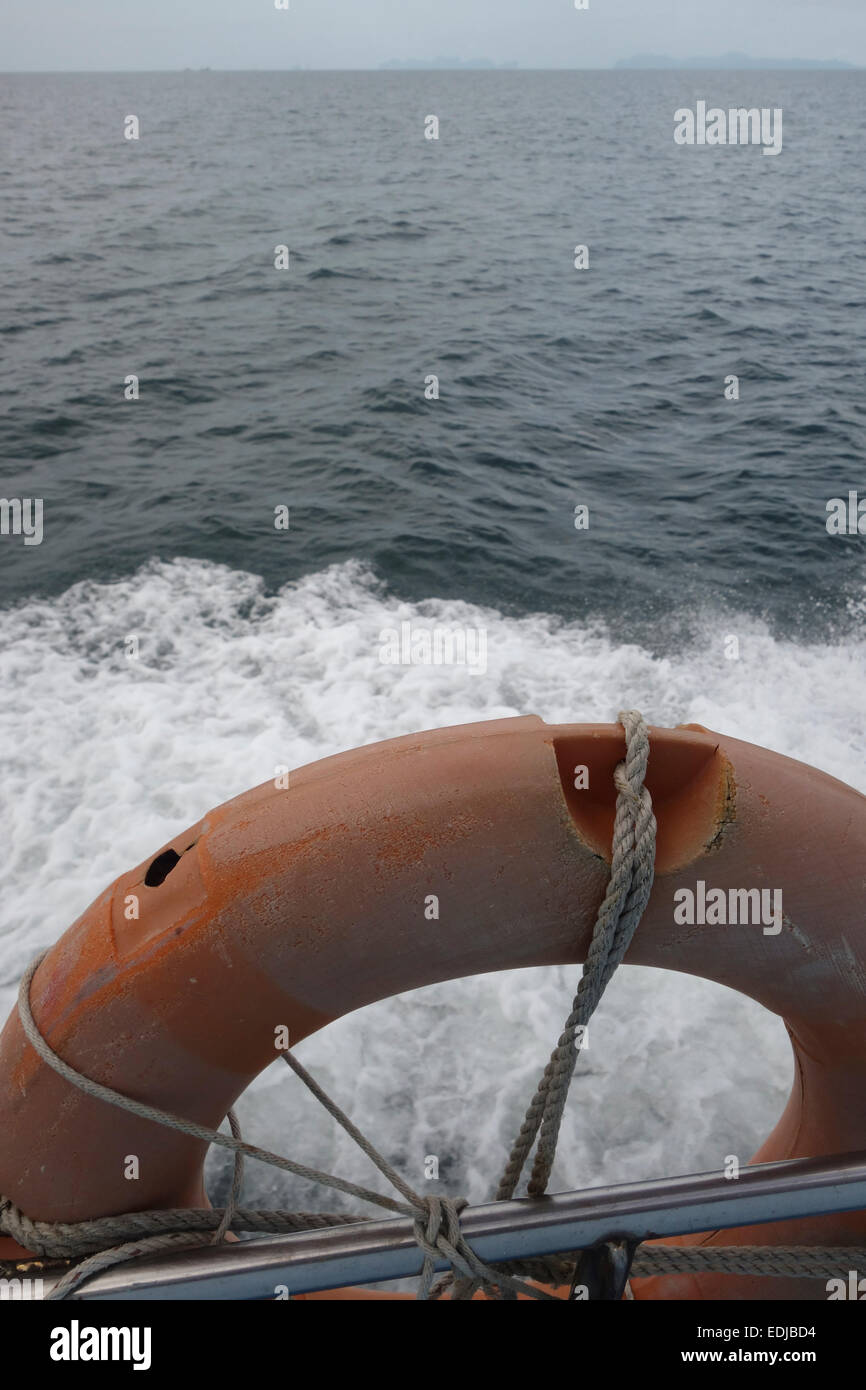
{"type": "Point", "coordinates": [732, 61]}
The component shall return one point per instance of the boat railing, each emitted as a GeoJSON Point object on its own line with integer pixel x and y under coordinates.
{"type": "Point", "coordinates": [373, 1252]}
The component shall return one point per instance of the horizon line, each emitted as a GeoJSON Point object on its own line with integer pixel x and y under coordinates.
{"type": "Point", "coordinates": [839, 66]}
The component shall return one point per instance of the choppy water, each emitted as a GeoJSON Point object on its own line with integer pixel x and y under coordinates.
{"type": "Point", "coordinates": [307, 388]}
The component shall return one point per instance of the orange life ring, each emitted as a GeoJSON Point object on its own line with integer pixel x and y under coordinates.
{"type": "Point", "coordinates": [297, 905]}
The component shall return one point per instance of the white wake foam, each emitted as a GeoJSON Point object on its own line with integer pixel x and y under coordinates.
{"type": "Point", "coordinates": [106, 758]}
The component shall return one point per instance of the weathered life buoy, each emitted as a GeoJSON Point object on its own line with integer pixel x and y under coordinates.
{"type": "Point", "coordinates": [294, 905]}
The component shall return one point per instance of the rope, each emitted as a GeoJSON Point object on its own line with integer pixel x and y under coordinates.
{"type": "Point", "coordinates": [791, 1261]}
{"type": "Point", "coordinates": [631, 879]}
{"type": "Point", "coordinates": [67, 1241]}
{"type": "Point", "coordinates": [436, 1220]}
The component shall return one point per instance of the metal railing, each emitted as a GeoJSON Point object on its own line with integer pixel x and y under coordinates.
{"type": "Point", "coordinates": [377, 1251]}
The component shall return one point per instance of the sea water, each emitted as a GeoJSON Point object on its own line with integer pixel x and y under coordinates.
{"type": "Point", "coordinates": [165, 646]}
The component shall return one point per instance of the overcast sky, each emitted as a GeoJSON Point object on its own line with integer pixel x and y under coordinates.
{"type": "Point", "coordinates": [149, 34]}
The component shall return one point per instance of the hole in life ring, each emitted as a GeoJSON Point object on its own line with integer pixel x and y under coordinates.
{"type": "Point", "coordinates": [161, 868]}
{"type": "Point", "coordinates": [688, 778]}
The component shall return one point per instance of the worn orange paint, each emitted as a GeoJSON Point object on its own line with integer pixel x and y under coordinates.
{"type": "Point", "coordinates": [293, 907]}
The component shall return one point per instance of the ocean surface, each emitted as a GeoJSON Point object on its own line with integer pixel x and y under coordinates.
{"type": "Point", "coordinates": [305, 388]}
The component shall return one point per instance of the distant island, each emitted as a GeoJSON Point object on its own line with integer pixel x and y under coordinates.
{"type": "Point", "coordinates": [734, 62]}
{"type": "Point", "coordinates": [730, 62]}
{"type": "Point", "coordinates": [428, 64]}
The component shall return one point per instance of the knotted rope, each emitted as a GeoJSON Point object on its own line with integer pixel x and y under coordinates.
{"type": "Point", "coordinates": [436, 1219]}
{"type": "Point", "coordinates": [631, 880]}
